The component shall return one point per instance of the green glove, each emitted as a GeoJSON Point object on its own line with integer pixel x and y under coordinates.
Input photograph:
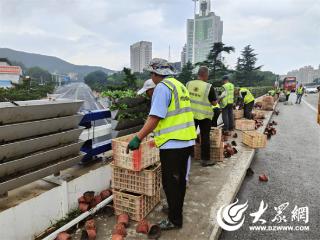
{"type": "Point", "coordinates": [134, 143]}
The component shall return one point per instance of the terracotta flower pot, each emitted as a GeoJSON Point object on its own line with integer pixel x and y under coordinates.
{"type": "Point", "coordinates": [83, 207]}
{"type": "Point", "coordinates": [263, 178]}
{"type": "Point", "coordinates": [63, 236]}
{"type": "Point", "coordinates": [92, 234]}
{"type": "Point", "coordinates": [117, 237]}
{"type": "Point", "coordinates": [88, 196]}
{"type": "Point", "coordinates": [142, 227]}
{"type": "Point", "coordinates": [124, 219]}
{"type": "Point", "coordinates": [105, 194]}
{"type": "Point", "coordinates": [81, 199]}
{"type": "Point", "coordinates": [120, 229]}
{"type": "Point", "coordinates": [90, 224]}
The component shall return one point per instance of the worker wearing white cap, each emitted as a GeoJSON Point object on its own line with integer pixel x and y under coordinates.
{"type": "Point", "coordinates": [147, 88]}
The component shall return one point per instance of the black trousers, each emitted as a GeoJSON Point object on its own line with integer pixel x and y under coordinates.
{"type": "Point", "coordinates": [287, 97]}
{"type": "Point", "coordinates": [174, 164]}
{"type": "Point", "coordinates": [248, 110]}
{"type": "Point", "coordinates": [205, 126]}
{"type": "Point", "coordinates": [216, 114]}
{"type": "Point", "coordinates": [227, 117]}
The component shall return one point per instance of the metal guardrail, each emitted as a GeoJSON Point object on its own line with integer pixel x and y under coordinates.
{"type": "Point", "coordinates": [37, 139]}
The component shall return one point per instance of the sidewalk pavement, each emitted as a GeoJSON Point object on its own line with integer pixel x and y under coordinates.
{"type": "Point", "coordinates": [208, 189]}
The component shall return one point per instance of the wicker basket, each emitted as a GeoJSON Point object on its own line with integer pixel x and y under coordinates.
{"type": "Point", "coordinates": [215, 136]}
{"type": "Point", "coordinates": [254, 139]}
{"type": "Point", "coordinates": [267, 106]}
{"type": "Point", "coordinates": [268, 99]}
{"type": "Point", "coordinates": [259, 114]}
{"type": "Point", "coordinates": [137, 206]}
{"type": "Point", "coordinates": [146, 182]}
{"type": "Point", "coordinates": [216, 153]}
{"type": "Point", "coordinates": [137, 160]}
{"type": "Point", "coordinates": [245, 125]}
{"type": "Point", "coordinates": [238, 114]}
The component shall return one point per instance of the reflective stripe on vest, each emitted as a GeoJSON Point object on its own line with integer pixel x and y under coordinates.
{"type": "Point", "coordinates": [300, 90]}
{"type": "Point", "coordinates": [178, 123]}
{"type": "Point", "coordinates": [200, 105]}
{"type": "Point", "coordinates": [229, 98]}
{"type": "Point", "coordinates": [249, 97]}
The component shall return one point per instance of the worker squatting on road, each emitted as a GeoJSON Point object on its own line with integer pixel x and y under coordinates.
{"type": "Point", "coordinates": [226, 102]}
{"type": "Point", "coordinates": [299, 92]}
{"type": "Point", "coordinates": [171, 121]}
{"type": "Point", "coordinates": [202, 98]}
{"type": "Point", "coordinates": [246, 99]}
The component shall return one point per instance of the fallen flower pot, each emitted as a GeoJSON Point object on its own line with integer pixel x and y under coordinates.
{"type": "Point", "coordinates": [88, 196]}
{"type": "Point", "coordinates": [120, 229]}
{"type": "Point", "coordinates": [63, 236]}
{"type": "Point", "coordinates": [142, 227]}
{"type": "Point", "coordinates": [117, 237]}
{"type": "Point", "coordinates": [124, 219]}
{"type": "Point", "coordinates": [83, 207]}
{"type": "Point", "coordinates": [263, 178]}
{"type": "Point", "coordinates": [105, 194]}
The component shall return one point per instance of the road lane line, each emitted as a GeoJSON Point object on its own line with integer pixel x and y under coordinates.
{"type": "Point", "coordinates": [310, 106]}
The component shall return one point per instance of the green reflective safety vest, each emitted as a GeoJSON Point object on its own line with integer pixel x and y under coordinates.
{"type": "Point", "coordinates": [200, 105]}
{"type": "Point", "coordinates": [300, 90]}
{"type": "Point", "coordinates": [216, 106]}
{"type": "Point", "coordinates": [178, 123]}
{"type": "Point", "coordinates": [229, 98]}
{"type": "Point", "coordinates": [249, 97]}
{"type": "Point", "coordinates": [271, 92]}
{"type": "Point", "coordinates": [287, 92]}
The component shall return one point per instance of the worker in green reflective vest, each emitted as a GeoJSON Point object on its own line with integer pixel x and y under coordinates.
{"type": "Point", "coordinates": [299, 92]}
{"type": "Point", "coordinates": [247, 99]}
{"type": "Point", "coordinates": [171, 121]}
{"type": "Point", "coordinates": [226, 102]}
{"type": "Point", "coordinates": [202, 97]}
{"type": "Point", "coordinates": [287, 94]}
{"type": "Point", "coordinates": [216, 113]}
{"type": "Point", "coordinates": [272, 92]}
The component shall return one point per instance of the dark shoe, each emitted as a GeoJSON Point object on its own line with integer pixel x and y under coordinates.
{"type": "Point", "coordinates": [165, 209]}
{"type": "Point", "coordinates": [167, 225]}
{"type": "Point", "coordinates": [207, 163]}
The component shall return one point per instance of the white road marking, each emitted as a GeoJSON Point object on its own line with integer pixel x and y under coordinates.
{"type": "Point", "coordinates": [309, 105]}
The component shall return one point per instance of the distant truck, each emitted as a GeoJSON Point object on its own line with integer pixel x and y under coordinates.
{"type": "Point", "coordinates": [290, 83]}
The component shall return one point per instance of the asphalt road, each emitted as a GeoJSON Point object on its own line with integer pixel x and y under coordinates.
{"type": "Point", "coordinates": [291, 161]}
{"type": "Point", "coordinates": [79, 91]}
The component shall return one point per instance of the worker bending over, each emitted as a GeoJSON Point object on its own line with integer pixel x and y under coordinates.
{"type": "Point", "coordinates": [247, 99]}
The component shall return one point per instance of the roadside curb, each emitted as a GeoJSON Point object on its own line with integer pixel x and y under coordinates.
{"type": "Point", "coordinates": [230, 189]}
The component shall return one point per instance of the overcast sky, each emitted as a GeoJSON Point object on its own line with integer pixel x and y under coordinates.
{"type": "Point", "coordinates": [285, 33]}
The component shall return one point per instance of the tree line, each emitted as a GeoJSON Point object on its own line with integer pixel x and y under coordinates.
{"type": "Point", "coordinates": [245, 74]}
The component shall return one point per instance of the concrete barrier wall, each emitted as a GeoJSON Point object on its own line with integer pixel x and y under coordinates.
{"type": "Point", "coordinates": [33, 216]}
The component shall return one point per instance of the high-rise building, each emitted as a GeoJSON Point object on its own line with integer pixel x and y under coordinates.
{"type": "Point", "coordinates": [184, 56]}
{"type": "Point", "coordinates": [140, 55]}
{"type": "Point", "coordinates": [305, 74]}
{"type": "Point", "coordinates": [202, 32]}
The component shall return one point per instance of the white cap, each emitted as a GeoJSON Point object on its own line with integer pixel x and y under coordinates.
{"type": "Point", "coordinates": [149, 84]}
